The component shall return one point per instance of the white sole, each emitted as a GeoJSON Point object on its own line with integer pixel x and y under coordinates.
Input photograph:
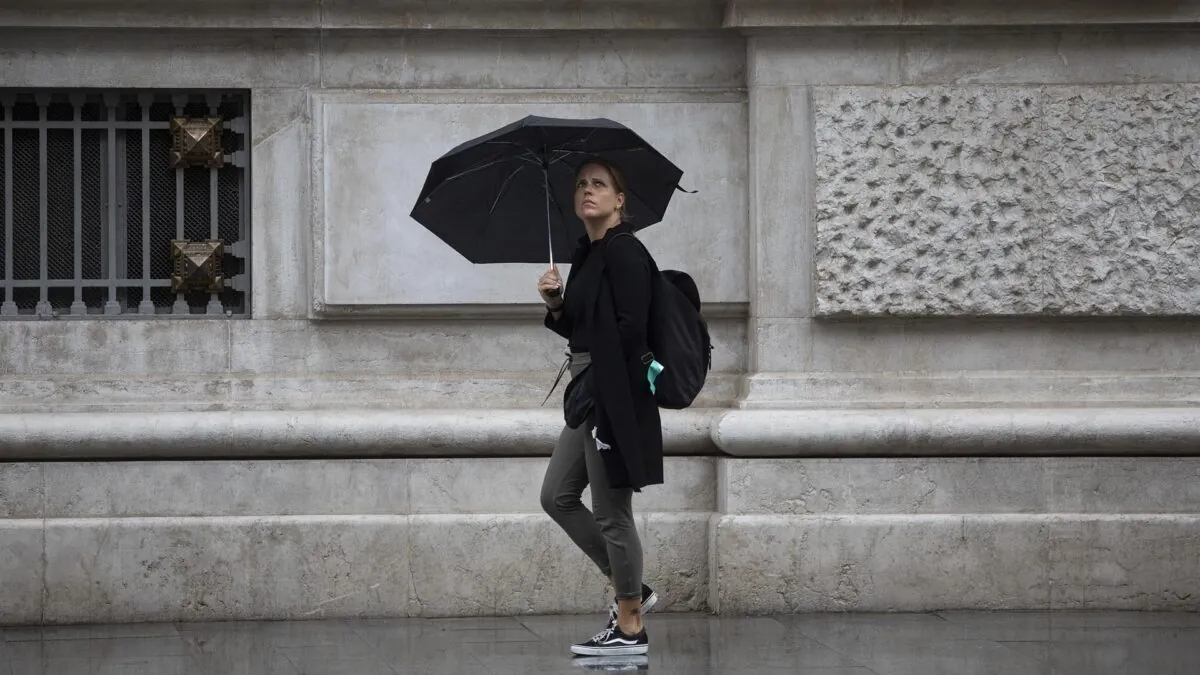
{"type": "Point", "coordinates": [613, 663]}
{"type": "Point", "coordinates": [633, 650]}
{"type": "Point", "coordinates": [650, 602]}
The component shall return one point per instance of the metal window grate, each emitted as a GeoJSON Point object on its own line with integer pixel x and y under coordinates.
{"type": "Point", "coordinates": [90, 202]}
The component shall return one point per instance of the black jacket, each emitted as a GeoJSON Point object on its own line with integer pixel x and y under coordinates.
{"type": "Point", "coordinates": [613, 278]}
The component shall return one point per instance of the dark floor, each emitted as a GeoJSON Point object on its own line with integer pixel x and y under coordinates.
{"type": "Point", "coordinates": [953, 643]}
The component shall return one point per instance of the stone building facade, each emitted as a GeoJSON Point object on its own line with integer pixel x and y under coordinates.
{"type": "Point", "coordinates": [949, 253]}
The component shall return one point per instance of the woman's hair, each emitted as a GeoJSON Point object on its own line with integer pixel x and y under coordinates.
{"type": "Point", "coordinates": [618, 178]}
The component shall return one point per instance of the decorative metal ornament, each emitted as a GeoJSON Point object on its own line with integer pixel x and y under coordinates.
{"type": "Point", "coordinates": [196, 141]}
{"type": "Point", "coordinates": [197, 266]}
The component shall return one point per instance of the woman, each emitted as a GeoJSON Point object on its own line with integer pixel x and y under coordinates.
{"type": "Point", "coordinates": [603, 313]}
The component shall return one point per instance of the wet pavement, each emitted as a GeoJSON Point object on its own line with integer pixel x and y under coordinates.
{"type": "Point", "coordinates": [951, 643]}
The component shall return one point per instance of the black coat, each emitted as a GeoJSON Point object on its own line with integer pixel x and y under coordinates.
{"type": "Point", "coordinates": [614, 275]}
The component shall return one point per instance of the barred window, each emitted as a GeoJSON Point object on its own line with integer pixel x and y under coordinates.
{"type": "Point", "coordinates": [98, 210]}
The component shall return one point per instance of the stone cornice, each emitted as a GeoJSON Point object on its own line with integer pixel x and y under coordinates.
{"type": "Point", "coordinates": [523, 15]}
{"type": "Point", "coordinates": [556, 15]}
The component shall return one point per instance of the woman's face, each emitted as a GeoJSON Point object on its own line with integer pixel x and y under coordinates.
{"type": "Point", "coordinates": [596, 196]}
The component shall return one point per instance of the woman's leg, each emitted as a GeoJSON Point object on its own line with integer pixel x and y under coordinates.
{"type": "Point", "coordinates": [614, 513]}
{"type": "Point", "coordinates": [565, 480]}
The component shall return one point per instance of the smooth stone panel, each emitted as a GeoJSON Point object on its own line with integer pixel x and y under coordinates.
{"type": "Point", "coordinates": [358, 391]}
{"type": "Point", "coordinates": [367, 184]}
{"type": "Point", "coordinates": [281, 211]}
{"type": "Point", "coordinates": [22, 490]}
{"type": "Point", "coordinates": [862, 486]}
{"type": "Point", "coordinates": [512, 485]}
{"type": "Point", "coordinates": [1092, 347]}
{"type": "Point", "coordinates": [447, 348]}
{"type": "Point", "coordinates": [373, 15]}
{"type": "Point", "coordinates": [168, 58]}
{"type": "Point", "coordinates": [128, 347]}
{"type": "Point", "coordinates": [491, 565]}
{"type": "Point", "coordinates": [967, 389]}
{"type": "Point", "coordinates": [570, 61]}
{"type": "Point", "coordinates": [1126, 562]}
{"type": "Point", "coordinates": [21, 572]}
{"type": "Point", "coordinates": [189, 569]}
{"type": "Point", "coordinates": [159, 14]}
{"type": "Point", "coordinates": [1068, 57]}
{"type": "Point", "coordinates": [225, 488]}
{"type": "Point", "coordinates": [1123, 485]}
{"type": "Point", "coordinates": [975, 485]}
{"type": "Point", "coordinates": [821, 58]}
{"type": "Point", "coordinates": [489, 15]}
{"type": "Point", "coordinates": [202, 569]}
{"type": "Point", "coordinates": [1034, 12]}
{"type": "Point", "coordinates": [773, 14]}
{"type": "Point", "coordinates": [769, 564]}
{"type": "Point", "coordinates": [782, 188]}
{"type": "Point", "coordinates": [777, 563]}
{"type": "Point", "coordinates": [326, 487]}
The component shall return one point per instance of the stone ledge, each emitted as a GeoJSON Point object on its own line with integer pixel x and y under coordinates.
{"type": "Point", "coordinates": [1100, 431]}
{"type": "Point", "coordinates": [316, 433]}
{"type": "Point", "coordinates": [324, 567]}
{"type": "Point", "coordinates": [961, 431]}
{"type": "Point", "coordinates": [910, 563]}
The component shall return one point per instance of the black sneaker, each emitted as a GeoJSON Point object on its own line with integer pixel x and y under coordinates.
{"type": "Point", "coordinates": [649, 600]}
{"type": "Point", "coordinates": [612, 642]}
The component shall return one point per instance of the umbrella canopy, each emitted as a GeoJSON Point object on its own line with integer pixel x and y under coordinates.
{"type": "Point", "coordinates": [508, 196]}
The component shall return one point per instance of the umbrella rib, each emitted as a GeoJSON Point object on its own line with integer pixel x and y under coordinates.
{"type": "Point", "coordinates": [478, 167]}
{"type": "Point", "coordinates": [504, 187]}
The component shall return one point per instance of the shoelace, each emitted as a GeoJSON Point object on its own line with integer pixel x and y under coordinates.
{"type": "Point", "coordinates": [603, 635]}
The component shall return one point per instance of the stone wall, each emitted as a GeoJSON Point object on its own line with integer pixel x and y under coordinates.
{"type": "Point", "coordinates": [947, 250]}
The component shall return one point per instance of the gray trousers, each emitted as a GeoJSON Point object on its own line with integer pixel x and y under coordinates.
{"type": "Point", "coordinates": [607, 534]}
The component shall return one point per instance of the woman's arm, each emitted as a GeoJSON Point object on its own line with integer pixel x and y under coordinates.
{"type": "Point", "coordinates": [558, 322]}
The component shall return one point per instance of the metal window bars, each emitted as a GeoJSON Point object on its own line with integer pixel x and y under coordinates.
{"type": "Point", "coordinates": [90, 203]}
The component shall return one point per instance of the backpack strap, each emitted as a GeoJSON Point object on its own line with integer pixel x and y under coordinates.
{"type": "Point", "coordinates": [653, 264]}
{"type": "Point", "coordinates": [648, 357]}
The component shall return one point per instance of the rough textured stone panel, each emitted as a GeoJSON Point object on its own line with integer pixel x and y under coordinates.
{"type": "Point", "coordinates": [1007, 200]}
{"type": "Point", "coordinates": [924, 202]}
{"type": "Point", "coordinates": [1122, 181]}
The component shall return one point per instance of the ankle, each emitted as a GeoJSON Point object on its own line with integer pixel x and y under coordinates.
{"type": "Point", "coordinates": [631, 627]}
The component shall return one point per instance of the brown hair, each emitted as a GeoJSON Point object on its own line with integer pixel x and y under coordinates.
{"type": "Point", "coordinates": [618, 178]}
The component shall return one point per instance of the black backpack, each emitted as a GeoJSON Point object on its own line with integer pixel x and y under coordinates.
{"type": "Point", "coordinates": [678, 336]}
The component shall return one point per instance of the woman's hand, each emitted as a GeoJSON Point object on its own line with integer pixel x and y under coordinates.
{"type": "Point", "coordinates": [550, 288]}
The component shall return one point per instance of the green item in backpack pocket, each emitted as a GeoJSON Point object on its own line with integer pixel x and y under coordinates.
{"type": "Point", "coordinates": [652, 372]}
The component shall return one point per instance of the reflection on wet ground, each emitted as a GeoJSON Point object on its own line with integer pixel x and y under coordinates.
{"type": "Point", "coordinates": [958, 643]}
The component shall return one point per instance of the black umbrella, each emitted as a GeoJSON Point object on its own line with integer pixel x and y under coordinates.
{"type": "Point", "coordinates": [499, 197]}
